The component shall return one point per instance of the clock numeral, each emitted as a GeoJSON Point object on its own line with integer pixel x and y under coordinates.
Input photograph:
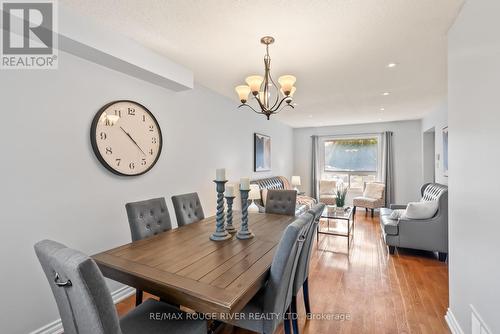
{"type": "Point", "coordinates": [131, 111]}
{"type": "Point", "coordinates": [151, 151]}
{"type": "Point", "coordinates": [118, 161]}
{"type": "Point", "coordinates": [144, 118]}
{"type": "Point", "coordinates": [154, 140]}
{"type": "Point", "coordinates": [131, 165]}
{"type": "Point", "coordinates": [109, 150]}
{"type": "Point", "coordinates": [107, 122]}
{"type": "Point", "coordinates": [143, 162]}
{"type": "Point", "coordinates": [118, 113]}
{"type": "Point", "coordinates": [103, 135]}
{"type": "Point", "coordinates": [151, 128]}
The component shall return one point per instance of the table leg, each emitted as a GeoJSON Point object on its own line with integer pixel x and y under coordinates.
{"type": "Point", "coordinates": [348, 235]}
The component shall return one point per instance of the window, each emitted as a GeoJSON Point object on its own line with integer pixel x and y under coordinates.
{"type": "Point", "coordinates": [354, 160]}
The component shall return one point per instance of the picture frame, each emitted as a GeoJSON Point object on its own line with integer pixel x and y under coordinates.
{"type": "Point", "coordinates": [262, 153]}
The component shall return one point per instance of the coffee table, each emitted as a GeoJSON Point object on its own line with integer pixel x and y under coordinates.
{"type": "Point", "coordinates": [331, 212]}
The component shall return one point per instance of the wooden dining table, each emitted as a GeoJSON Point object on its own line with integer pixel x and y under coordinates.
{"type": "Point", "coordinates": [185, 267]}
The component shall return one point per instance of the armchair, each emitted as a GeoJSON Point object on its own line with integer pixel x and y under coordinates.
{"type": "Point", "coordinates": [327, 191]}
{"type": "Point", "coordinates": [373, 197]}
{"type": "Point", "coordinates": [426, 234]}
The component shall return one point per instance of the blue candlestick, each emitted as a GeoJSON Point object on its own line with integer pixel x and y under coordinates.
{"type": "Point", "coordinates": [220, 232]}
{"type": "Point", "coordinates": [244, 232]}
{"type": "Point", "coordinates": [229, 218]}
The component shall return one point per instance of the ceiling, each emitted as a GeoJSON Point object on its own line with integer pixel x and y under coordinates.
{"type": "Point", "coordinates": [338, 49]}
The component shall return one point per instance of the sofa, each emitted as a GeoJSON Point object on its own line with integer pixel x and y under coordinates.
{"type": "Point", "coordinates": [304, 203]}
{"type": "Point", "coordinates": [425, 234]}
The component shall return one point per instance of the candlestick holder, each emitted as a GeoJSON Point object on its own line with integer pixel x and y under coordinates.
{"type": "Point", "coordinates": [244, 232]}
{"type": "Point", "coordinates": [229, 218]}
{"type": "Point", "coordinates": [220, 233]}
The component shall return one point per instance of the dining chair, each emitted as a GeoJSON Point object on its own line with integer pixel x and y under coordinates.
{"type": "Point", "coordinates": [187, 208]}
{"type": "Point", "coordinates": [275, 297]}
{"type": "Point", "coordinates": [281, 202]}
{"type": "Point", "coordinates": [85, 304]}
{"type": "Point", "coordinates": [301, 279]}
{"type": "Point", "coordinates": [146, 219]}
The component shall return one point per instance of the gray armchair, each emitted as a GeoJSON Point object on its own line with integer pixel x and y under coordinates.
{"type": "Point", "coordinates": [426, 234]}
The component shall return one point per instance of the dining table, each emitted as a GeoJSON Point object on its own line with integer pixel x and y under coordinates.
{"type": "Point", "coordinates": [184, 267]}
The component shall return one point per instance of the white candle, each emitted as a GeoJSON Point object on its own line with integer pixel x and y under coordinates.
{"type": "Point", "coordinates": [245, 183]}
{"type": "Point", "coordinates": [229, 190]}
{"type": "Point", "coordinates": [220, 174]}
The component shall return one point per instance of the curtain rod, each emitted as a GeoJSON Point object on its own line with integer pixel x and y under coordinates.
{"type": "Point", "coordinates": [352, 134]}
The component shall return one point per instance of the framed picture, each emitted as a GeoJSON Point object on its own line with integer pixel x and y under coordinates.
{"type": "Point", "coordinates": [262, 153]}
{"type": "Point", "coordinates": [445, 151]}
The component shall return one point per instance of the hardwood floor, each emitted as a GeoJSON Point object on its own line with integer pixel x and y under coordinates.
{"type": "Point", "coordinates": [403, 293]}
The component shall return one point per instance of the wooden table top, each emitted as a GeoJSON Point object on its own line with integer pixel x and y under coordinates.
{"type": "Point", "coordinates": [186, 268]}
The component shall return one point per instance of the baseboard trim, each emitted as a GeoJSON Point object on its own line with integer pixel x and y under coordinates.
{"type": "Point", "coordinates": [452, 323]}
{"type": "Point", "coordinates": [56, 327]}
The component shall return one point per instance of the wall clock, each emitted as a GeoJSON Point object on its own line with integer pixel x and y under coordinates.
{"type": "Point", "coordinates": [126, 138]}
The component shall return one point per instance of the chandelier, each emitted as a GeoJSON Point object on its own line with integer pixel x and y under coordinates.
{"type": "Point", "coordinates": [270, 99]}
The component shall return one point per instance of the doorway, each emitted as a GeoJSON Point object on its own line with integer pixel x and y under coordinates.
{"type": "Point", "coordinates": [429, 162]}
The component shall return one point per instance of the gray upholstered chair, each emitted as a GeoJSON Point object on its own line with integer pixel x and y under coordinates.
{"type": "Point", "coordinates": [147, 218]}
{"type": "Point", "coordinates": [187, 208]}
{"type": "Point", "coordinates": [302, 273]}
{"type": "Point", "coordinates": [86, 306]}
{"type": "Point", "coordinates": [281, 202]}
{"type": "Point", "coordinates": [425, 234]}
{"type": "Point", "coordinates": [275, 298]}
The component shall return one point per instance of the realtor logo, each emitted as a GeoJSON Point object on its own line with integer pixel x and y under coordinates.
{"type": "Point", "coordinates": [28, 39]}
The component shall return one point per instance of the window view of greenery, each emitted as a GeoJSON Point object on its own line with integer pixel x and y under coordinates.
{"type": "Point", "coordinates": [351, 161]}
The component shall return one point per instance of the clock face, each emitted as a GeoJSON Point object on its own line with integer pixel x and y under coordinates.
{"type": "Point", "coordinates": [126, 138]}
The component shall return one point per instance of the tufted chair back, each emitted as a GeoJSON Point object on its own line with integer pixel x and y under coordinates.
{"type": "Point", "coordinates": [187, 208]}
{"type": "Point", "coordinates": [437, 192]}
{"type": "Point", "coordinates": [81, 294]}
{"type": "Point", "coordinates": [302, 271]}
{"type": "Point", "coordinates": [148, 218]}
{"type": "Point", "coordinates": [281, 202]}
{"type": "Point", "coordinates": [279, 287]}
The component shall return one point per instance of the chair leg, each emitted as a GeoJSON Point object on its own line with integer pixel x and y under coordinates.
{"type": "Point", "coordinates": [294, 315]}
{"type": "Point", "coordinates": [392, 249]}
{"type": "Point", "coordinates": [372, 212]}
{"type": "Point", "coordinates": [305, 291]}
{"type": "Point", "coordinates": [286, 322]}
{"type": "Point", "coordinates": [442, 256]}
{"type": "Point", "coordinates": [354, 211]}
{"type": "Point", "coordinates": [138, 297]}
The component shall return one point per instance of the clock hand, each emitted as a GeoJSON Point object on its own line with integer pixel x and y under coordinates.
{"type": "Point", "coordinates": [132, 139]}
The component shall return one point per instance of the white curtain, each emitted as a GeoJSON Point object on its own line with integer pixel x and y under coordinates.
{"type": "Point", "coordinates": [315, 172]}
{"type": "Point", "coordinates": [388, 167]}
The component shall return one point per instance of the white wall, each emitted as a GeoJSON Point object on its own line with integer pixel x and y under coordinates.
{"type": "Point", "coordinates": [474, 123]}
{"type": "Point", "coordinates": [437, 119]}
{"type": "Point", "coordinates": [407, 153]}
{"type": "Point", "coordinates": [52, 186]}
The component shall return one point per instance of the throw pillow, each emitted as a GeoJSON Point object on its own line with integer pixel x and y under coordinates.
{"type": "Point", "coordinates": [397, 214]}
{"type": "Point", "coordinates": [421, 210]}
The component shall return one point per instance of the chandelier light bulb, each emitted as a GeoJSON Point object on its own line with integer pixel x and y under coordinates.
{"type": "Point", "coordinates": [242, 91]}
{"type": "Point", "coordinates": [287, 82]}
{"type": "Point", "coordinates": [254, 82]}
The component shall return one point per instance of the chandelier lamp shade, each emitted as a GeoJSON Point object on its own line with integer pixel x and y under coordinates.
{"type": "Point", "coordinates": [269, 98]}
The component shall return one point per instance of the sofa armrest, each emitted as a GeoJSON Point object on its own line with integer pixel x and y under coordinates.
{"type": "Point", "coordinates": [397, 206]}
{"type": "Point", "coordinates": [262, 209]}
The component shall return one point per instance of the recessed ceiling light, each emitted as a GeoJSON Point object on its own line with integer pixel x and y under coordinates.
{"type": "Point", "coordinates": [382, 108]}
{"type": "Point", "coordinates": [310, 116]}
{"type": "Point", "coordinates": [386, 93]}
{"type": "Point", "coordinates": [391, 65]}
